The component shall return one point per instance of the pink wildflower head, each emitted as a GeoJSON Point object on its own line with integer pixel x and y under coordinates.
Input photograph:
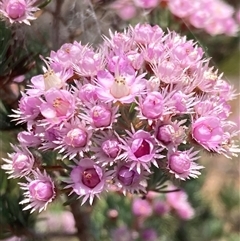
{"type": "Point", "coordinates": [140, 149]}
{"type": "Point", "coordinates": [87, 93]}
{"type": "Point", "coordinates": [40, 191]}
{"type": "Point", "coordinates": [121, 86]}
{"type": "Point", "coordinates": [74, 139]}
{"type": "Point", "coordinates": [106, 148]}
{"type": "Point", "coordinates": [20, 11]}
{"type": "Point", "coordinates": [59, 105]}
{"type": "Point", "coordinates": [100, 116]}
{"type": "Point", "coordinates": [141, 208]}
{"type": "Point", "coordinates": [182, 165]}
{"type": "Point", "coordinates": [129, 180]}
{"type": "Point", "coordinates": [152, 106]}
{"type": "Point", "coordinates": [87, 179]}
{"type": "Point", "coordinates": [29, 138]}
{"type": "Point", "coordinates": [208, 132]}
{"type": "Point", "coordinates": [19, 163]}
{"type": "Point", "coordinates": [28, 109]}
{"type": "Point", "coordinates": [170, 133]}
{"type": "Point", "coordinates": [160, 207]}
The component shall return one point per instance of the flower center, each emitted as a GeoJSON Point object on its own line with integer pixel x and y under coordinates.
{"type": "Point", "coordinates": [119, 88]}
{"type": "Point", "coordinates": [90, 178]}
{"type": "Point", "coordinates": [143, 149]}
{"type": "Point", "coordinates": [51, 80]}
{"type": "Point", "coordinates": [61, 106]}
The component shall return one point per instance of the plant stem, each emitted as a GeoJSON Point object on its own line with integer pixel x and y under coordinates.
{"type": "Point", "coordinates": [81, 215]}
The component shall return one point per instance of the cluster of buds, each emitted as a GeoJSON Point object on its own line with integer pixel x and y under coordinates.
{"type": "Point", "coordinates": [215, 17]}
{"type": "Point", "coordinates": [145, 101]}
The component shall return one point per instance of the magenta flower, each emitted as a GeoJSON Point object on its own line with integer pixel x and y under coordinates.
{"type": "Point", "coordinates": [40, 191]}
{"type": "Point", "coordinates": [129, 180]}
{"type": "Point", "coordinates": [140, 150]}
{"type": "Point", "coordinates": [208, 132]}
{"type": "Point", "coordinates": [19, 163]}
{"type": "Point", "coordinates": [87, 180]}
{"type": "Point", "coordinates": [21, 11]}
{"type": "Point", "coordinates": [182, 165]}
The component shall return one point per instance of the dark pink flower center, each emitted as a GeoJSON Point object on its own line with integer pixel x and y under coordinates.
{"type": "Point", "coordinates": [90, 178]}
{"type": "Point", "coordinates": [143, 149]}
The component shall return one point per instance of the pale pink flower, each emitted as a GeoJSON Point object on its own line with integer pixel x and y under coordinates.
{"type": "Point", "coordinates": [29, 138]}
{"type": "Point", "coordinates": [74, 139]}
{"type": "Point", "coordinates": [28, 109]}
{"type": "Point", "coordinates": [182, 165]}
{"type": "Point", "coordinates": [59, 105]}
{"type": "Point", "coordinates": [208, 132]}
{"type": "Point", "coordinates": [121, 86]}
{"type": "Point", "coordinates": [21, 11]}
{"type": "Point", "coordinates": [39, 191]}
{"type": "Point", "coordinates": [125, 9]}
{"type": "Point", "coordinates": [19, 163]}
{"type": "Point", "coordinates": [87, 180]}
{"type": "Point", "coordinates": [146, 3]}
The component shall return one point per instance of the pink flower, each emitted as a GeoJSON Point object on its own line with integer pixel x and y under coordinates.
{"type": "Point", "coordinates": [208, 132]}
{"type": "Point", "coordinates": [124, 9]}
{"type": "Point", "coordinates": [107, 147]}
{"type": "Point", "coordinates": [152, 106]}
{"type": "Point", "coordinates": [20, 163]}
{"type": "Point", "coordinates": [149, 234]}
{"type": "Point", "coordinates": [20, 11]}
{"type": "Point", "coordinates": [87, 180]}
{"type": "Point", "coordinates": [121, 86]}
{"type": "Point", "coordinates": [141, 207]}
{"type": "Point", "coordinates": [146, 3]}
{"type": "Point", "coordinates": [28, 109]}
{"type": "Point", "coordinates": [129, 180]}
{"type": "Point", "coordinates": [182, 165]}
{"type": "Point", "coordinates": [140, 150]}
{"type": "Point", "coordinates": [160, 207]}
{"type": "Point", "coordinates": [59, 106]}
{"type": "Point", "coordinates": [170, 133]}
{"type": "Point", "coordinates": [73, 139]}
{"type": "Point", "coordinates": [40, 191]}
{"type": "Point", "coordinates": [99, 115]}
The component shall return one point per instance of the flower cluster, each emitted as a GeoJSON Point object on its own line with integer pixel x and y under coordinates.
{"type": "Point", "coordinates": [144, 100]}
{"type": "Point", "coordinates": [215, 17]}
